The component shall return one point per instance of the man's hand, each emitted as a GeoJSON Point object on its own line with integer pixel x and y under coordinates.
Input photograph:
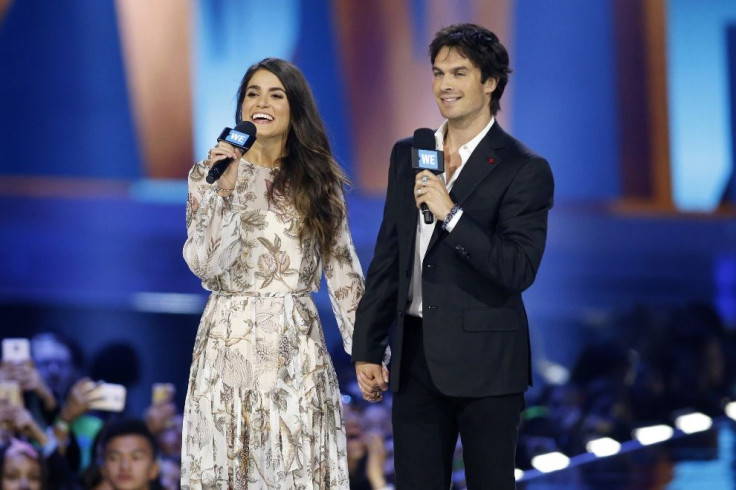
{"type": "Point", "coordinates": [372, 379]}
{"type": "Point", "coordinates": [430, 189]}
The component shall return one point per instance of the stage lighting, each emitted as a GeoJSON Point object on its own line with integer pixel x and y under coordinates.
{"type": "Point", "coordinates": [550, 462]}
{"type": "Point", "coordinates": [731, 410]}
{"type": "Point", "coordinates": [605, 446]}
{"type": "Point", "coordinates": [693, 422]}
{"type": "Point", "coordinates": [653, 434]}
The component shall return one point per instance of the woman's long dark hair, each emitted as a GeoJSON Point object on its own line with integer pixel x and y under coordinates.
{"type": "Point", "coordinates": [309, 174]}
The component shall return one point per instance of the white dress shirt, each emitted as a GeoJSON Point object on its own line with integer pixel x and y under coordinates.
{"type": "Point", "coordinates": [424, 231]}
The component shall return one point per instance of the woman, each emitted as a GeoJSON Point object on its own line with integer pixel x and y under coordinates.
{"type": "Point", "coordinates": [21, 467]}
{"type": "Point", "coordinates": [263, 407]}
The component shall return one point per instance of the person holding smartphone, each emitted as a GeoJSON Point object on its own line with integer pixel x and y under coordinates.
{"type": "Point", "coordinates": [263, 407]}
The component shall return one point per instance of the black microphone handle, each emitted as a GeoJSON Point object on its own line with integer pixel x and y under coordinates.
{"type": "Point", "coordinates": [428, 216]}
{"type": "Point", "coordinates": [218, 168]}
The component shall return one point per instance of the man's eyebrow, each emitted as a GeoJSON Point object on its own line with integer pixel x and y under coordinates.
{"type": "Point", "coordinates": [451, 69]}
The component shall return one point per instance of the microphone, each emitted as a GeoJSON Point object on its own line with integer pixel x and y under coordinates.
{"type": "Point", "coordinates": [425, 156]}
{"type": "Point", "coordinates": [242, 138]}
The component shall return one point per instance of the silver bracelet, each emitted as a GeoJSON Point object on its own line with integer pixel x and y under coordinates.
{"type": "Point", "coordinates": [450, 215]}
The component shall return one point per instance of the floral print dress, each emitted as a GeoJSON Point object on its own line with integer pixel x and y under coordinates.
{"type": "Point", "coordinates": [263, 408]}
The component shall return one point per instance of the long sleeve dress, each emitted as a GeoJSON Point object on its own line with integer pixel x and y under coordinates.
{"type": "Point", "coordinates": [263, 407]}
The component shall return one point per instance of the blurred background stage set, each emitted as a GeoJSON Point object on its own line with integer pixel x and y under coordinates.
{"type": "Point", "coordinates": [105, 105]}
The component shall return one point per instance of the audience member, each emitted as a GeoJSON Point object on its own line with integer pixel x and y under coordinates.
{"type": "Point", "coordinates": [58, 361]}
{"type": "Point", "coordinates": [130, 455]}
{"type": "Point", "coordinates": [21, 467]}
{"type": "Point", "coordinates": [642, 368]}
{"type": "Point", "coordinates": [366, 453]}
{"type": "Point", "coordinates": [170, 473]}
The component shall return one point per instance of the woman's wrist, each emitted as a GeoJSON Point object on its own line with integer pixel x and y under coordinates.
{"type": "Point", "coordinates": [224, 188]}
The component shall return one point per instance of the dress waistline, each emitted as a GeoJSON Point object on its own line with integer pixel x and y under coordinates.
{"type": "Point", "coordinates": [253, 294]}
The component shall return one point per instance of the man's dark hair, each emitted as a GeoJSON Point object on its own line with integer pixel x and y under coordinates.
{"type": "Point", "coordinates": [482, 48]}
{"type": "Point", "coordinates": [127, 427]}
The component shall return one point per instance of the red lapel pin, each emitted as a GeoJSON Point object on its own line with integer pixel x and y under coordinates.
{"type": "Point", "coordinates": [491, 161]}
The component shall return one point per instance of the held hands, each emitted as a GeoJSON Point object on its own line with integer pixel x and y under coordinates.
{"type": "Point", "coordinates": [429, 188]}
{"type": "Point", "coordinates": [372, 380]}
{"type": "Point", "coordinates": [223, 151]}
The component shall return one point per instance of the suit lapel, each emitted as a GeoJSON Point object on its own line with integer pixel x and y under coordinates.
{"type": "Point", "coordinates": [481, 163]}
{"type": "Point", "coordinates": [408, 213]}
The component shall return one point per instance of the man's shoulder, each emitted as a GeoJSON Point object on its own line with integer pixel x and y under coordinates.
{"type": "Point", "coordinates": [518, 149]}
{"type": "Point", "coordinates": [404, 142]}
{"type": "Point", "coordinates": [401, 149]}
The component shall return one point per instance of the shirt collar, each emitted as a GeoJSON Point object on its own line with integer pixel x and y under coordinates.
{"type": "Point", "coordinates": [467, 149]}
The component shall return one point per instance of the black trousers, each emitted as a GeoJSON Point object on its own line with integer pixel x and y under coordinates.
{"type": "Point", "coordinates": [426, 425]}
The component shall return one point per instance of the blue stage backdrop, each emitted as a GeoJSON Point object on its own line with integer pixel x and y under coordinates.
{"type": "Point", "coordinates": [65, 109]}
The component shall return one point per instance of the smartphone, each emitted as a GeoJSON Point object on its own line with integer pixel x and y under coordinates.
{"type": "Point", "coordinates": [108, 397]}
{"type": "Point", "coordinates": [10, 392]}
{"type": "Point", "coordinates": [162, 393]}
{"type": "Point", "coordinates": [16, 350]}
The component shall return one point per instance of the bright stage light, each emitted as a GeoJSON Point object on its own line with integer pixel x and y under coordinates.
{"type": "Point", "coordinates": [653, 434]}
{"type": "Point", "coordinates": [731, 410]}
{"type": "Point", "coordinates": [518, 474]}
{"type": "Point", "coordinates": [693, 422]}
{"type": "Point", "coordinates": [605, 446]}
{"type": "Point", "coordinates": [550, 462]}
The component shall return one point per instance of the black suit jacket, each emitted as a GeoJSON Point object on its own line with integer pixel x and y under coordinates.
{"type": "Point", "coordinates": [476, 335]}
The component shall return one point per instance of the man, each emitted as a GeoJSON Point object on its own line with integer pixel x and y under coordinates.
{"type": "Point", "coordinates": [57, 361]}
{"type": "Point", "coordinates": [453, 288]}
{"type": "Point", "coordinates": [129, 453]}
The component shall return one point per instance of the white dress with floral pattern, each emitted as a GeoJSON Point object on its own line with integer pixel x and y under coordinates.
{"type": "Point", "coordinates": [263, 407]}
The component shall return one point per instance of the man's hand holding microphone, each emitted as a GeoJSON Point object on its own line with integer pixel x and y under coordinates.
{"type": "Point", "coordinates": [430, 192]}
